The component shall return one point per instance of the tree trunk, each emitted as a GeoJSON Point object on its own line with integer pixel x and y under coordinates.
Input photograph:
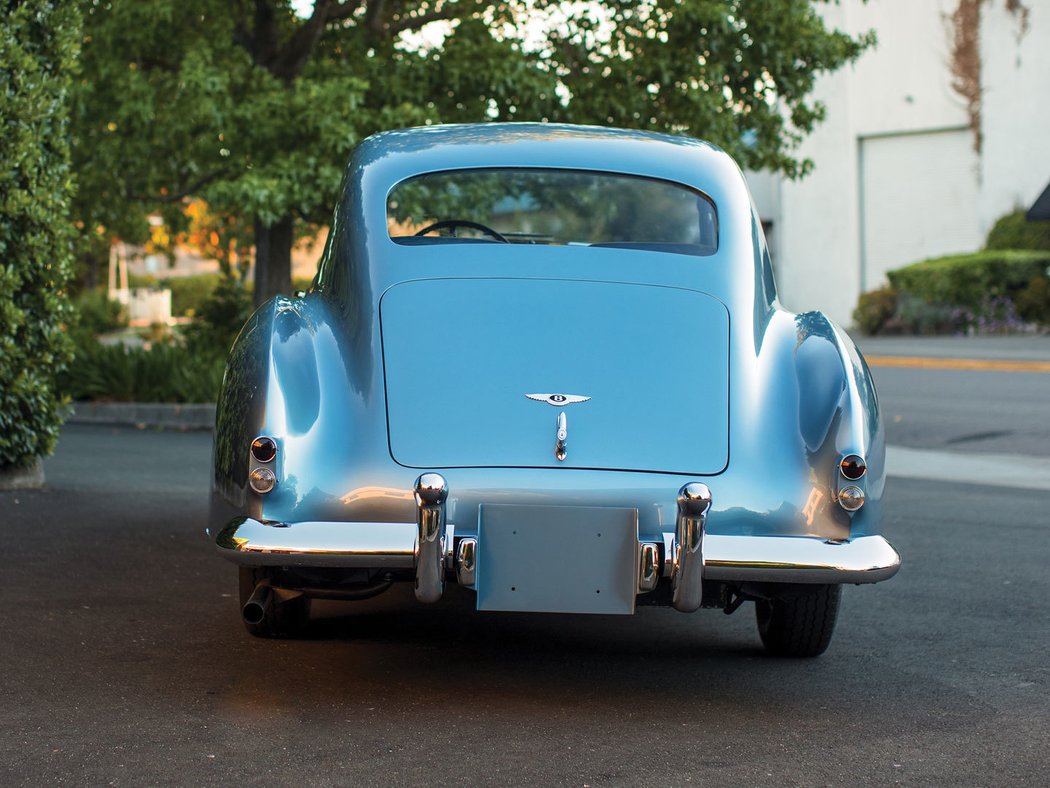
{"type": "Point", "coordinates": [273, 259]}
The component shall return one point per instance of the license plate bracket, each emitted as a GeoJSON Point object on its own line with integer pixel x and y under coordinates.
{"type": "Point", "coordinates": [557, 559]}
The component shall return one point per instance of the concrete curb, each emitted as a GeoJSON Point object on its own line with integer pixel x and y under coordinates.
{"type": "Point", "coordinates": [197, 416]}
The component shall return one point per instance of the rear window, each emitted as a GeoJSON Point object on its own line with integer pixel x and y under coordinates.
{"type": "Point", "coordinates": [552, 208]}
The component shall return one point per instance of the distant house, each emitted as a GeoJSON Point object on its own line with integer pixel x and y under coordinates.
{"type": "Point", "coordinates": [928, 139]}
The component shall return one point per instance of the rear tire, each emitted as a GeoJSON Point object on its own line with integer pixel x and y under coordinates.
{"type": "Point", "coordinates": [287, 616]}
{"type": "Point", "coordinates": [799, 625]}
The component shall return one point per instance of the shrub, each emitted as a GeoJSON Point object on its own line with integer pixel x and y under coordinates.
{"type": "Point", "coordinates": [96, 313]}
{"type": "Point", "coordinates": [1033, 303]}
{"type": "Point", "coordinates": [221, 317]}
{"type": "Point", "coordinates": [189, 293]}
{"type": "Point", "coordinates": [969, 280]}
{"type": "Point", "coordinates": [917, 316]}
{"type": "Point", "coordinates": [1013, 231]}
{"type": "Point", "coordinates": [874, 309]}
{"type": "Point", "coordinates": [164, 373]}
{"type": "Point", "coordinates": [39, 42]}
{"type": "Point", "coordinates": [142, 280]}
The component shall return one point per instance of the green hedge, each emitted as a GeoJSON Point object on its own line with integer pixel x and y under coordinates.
{"type": "Point", "coordinates": [188, 293]}
{"type": "Point", "coordinates": [969, 280]}
{"type": "Point", "coordinates": [96, 313]}
{"type": "Point", "coordinates": [39, 43]}
{"type": "Point", "coordinates": [1014, 231]}
{"type": "Point", "coordinates": [165, 373]}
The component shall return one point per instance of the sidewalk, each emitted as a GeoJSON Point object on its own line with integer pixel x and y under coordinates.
{"type": "Point", "coordinates": [1026, 347]}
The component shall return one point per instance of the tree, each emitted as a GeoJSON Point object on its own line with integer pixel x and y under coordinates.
{"type": "Point", "coordinates": [38, 49]}
{"type": "Point", "coordinates": [256, 109]}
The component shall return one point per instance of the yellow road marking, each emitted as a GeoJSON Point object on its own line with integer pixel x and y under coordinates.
{"type": "Point", "coordinates": [994, 365]}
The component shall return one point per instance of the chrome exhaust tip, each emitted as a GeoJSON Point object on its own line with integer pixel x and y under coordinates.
{"type": "Point", "coordinates": [258, 605]}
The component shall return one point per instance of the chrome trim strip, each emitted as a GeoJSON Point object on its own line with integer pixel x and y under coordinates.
{"type": "Point", "coordinates": [450, 546]}
{"type": "Point", "coordinates": [799, 559]}
{"type": "Point", "coordinates": [694, 501]}
{"type": "Point", "coordinates": [369, 545]}
{"type": "Point", "coordinates": [648, 567]}
{"type": "Point", "coordinates": [431, 491]}
{"type": "Point", "coordinates": [668, 566]}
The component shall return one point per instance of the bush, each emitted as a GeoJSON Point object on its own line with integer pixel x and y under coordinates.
{"type": "Point", "coordinates": [874, 309]}
{"type": "Point", "coordinates": [39, 42]}
{"type": "Point", "coordinates": [1033, 303]}
{"type": "Point", "coordinates": [142, 280]}
{"type": "Point", "coordinates": [189, 293]}
{"type": "Point", "coordinates": [169, 371]}
{"type": "Point", "coordinates": [1013, 231]}
{"type": "Point", "coordinates": [96, 313]}
{"type": "Point", "coordinates": [970, 280]}
{"type": "Point", "coordinates": [917, 316]}
{"type": "Point", "coordinates": [221, 317]}
{"type": "Point", "coordinates": [994, 291]}
{"type": "Point", "coordinates": [164, 373]}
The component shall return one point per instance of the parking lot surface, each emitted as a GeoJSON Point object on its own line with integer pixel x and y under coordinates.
{"type": "Point", "coordinates": [124, 660]}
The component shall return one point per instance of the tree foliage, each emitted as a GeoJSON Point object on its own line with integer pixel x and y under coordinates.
{"type": "Point", "coordinates": [38, 48]}
{"type": "Point", "coordinates": [256, 109]}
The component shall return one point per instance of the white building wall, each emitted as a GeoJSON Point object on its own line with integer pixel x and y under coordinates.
{"type": "Point", "coordinates": [816, 232]}
{"type": "Point", "coordinates": [897, 177]}
{"type": "Point", "coordinates": [918, 196]}
{"type": "Point", "coordinates": [1015, 112]}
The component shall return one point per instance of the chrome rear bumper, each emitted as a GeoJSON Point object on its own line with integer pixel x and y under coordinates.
{"type": "Point", "coordinates": [351, 545]}
{"type": "Point", "coordinates": [798, 559]}
{"type": "Point", "coordinates": [691, 556]}
{"type": "Point", "coordinates": [772, 559]}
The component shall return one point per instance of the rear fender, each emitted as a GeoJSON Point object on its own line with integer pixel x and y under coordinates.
{"type": "Point", "coordinates": [838, 414]}
{"type": "Point", "coordinates": [270, 387]}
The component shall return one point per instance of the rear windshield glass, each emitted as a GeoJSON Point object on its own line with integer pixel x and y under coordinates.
{"type": "Point", "coordinates": [552, 207]}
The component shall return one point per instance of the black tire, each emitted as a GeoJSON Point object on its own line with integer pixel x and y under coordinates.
{"type": "Point", "coordinates": [799, 625]}
{"type": "Point", "coordinates": [287, 616]}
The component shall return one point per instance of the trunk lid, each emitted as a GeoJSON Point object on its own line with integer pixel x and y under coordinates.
{"type": "Point", "coordinates": [461, 356]}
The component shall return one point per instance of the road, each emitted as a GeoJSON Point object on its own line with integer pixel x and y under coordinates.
{"type": "Point", "coordinates": [124, 661]}
{"type": "Point", "coordinates": [953, 410]}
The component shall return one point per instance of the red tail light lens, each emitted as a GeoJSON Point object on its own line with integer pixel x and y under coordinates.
{"type": "Point", "coordinates": [264, 449]}
{"type": "Point", "coordinates": [853, 467]}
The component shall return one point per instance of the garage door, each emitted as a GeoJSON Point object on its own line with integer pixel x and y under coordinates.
{"type": "Point", "coordinates": [918, 199]}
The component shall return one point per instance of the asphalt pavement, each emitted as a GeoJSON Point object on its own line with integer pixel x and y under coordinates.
{"type": "Point", "coordinates": [124, 661]}
{"type": "Point", "coordinates": [966, 411]}
{"type": "Point", "coordinates": [1008, 347]}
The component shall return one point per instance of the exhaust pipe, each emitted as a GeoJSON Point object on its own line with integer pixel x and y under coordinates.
{"type": "Point", "coordinates": [258, 604]}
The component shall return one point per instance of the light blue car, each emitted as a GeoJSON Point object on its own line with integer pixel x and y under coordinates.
{"type": "Point", "coordinates": [548, 363]}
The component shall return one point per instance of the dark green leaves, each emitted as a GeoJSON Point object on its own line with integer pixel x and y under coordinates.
{"type": "Point", "coordinates": [38, 48]}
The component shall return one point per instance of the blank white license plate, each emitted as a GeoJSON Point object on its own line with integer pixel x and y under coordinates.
{"type": "Point", "coordinates": [557, 559]}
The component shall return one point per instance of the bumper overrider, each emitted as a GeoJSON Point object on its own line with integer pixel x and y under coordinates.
{"type": "Point", "coordinates": [688, 556]}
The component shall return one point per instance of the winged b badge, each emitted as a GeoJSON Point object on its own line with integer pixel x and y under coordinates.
{"type": "Point", "coordinates": [558, 400]}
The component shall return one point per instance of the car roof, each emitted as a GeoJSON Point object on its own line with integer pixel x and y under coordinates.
{"type": "Point", "coordinates": [402, 153]}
